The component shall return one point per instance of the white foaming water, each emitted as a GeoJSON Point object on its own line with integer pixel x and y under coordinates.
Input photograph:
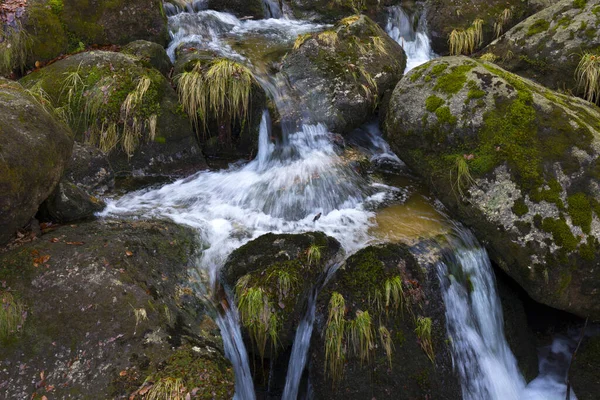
{"type": "Point", "coordinates": [208, 29]}
{"type": "Point", "coordinates": [411, 33]}
{"type": "Point", "coordinates": [475, 325]}
{"type": "Point", "coordinates": [300, 351]}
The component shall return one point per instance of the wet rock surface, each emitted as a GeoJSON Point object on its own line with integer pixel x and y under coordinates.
{"type": "Point", "coordinates": [105, 307]}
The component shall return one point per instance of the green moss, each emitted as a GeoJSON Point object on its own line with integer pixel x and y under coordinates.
{"type": "Point", "coordinates": [579, 3]}
{"type": "Point", "coordinates": [580, 211]}
{"type": "Point", "coordinates": [561, 233]}
{"type": "Point", "coordinates": [433, 103]}
{"type": "Point", "coordinates": [439, 68]}
{"type": "Point", "coordinates": [368, 274]}
{"type": "Point", "coordinates": [452, 82]}
{"type": "Point", "coordinates": [427, 78]}
{"type": "Point", "coordinates": [56, 6]}
{"type": "Point", "coordinates": [589, 250]}
{"type": "Point", "coordinates": [551, 194]}
{"type": "Point", "coordinates": [520, 208]}
{"type": "Point", "coordinates": [444, 116]}
{"type": "Point", "coordinates": [474, 91]}
{"type": "Point", "coordinates": [211, 376]}
{"type": "Point", "coordinates": [541, 25]}
{"type": "Point", "coordinates": [537, 64]}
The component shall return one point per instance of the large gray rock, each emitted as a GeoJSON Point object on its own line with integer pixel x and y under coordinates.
{"type": "Point", "coordinates": [90, 170]}
{"type": "Point", "coordinates": [340, 75]}
{"type": "Point", "coordinates": [516, 162]}
{"type": "Point", "coordinates": [107, 308]}
{"type": "Point", "coordinates": [152, 54]}
{"type": "Point", "coordinates": [34, 149]}
{"type": "Point", "coordinates": [97, 103]}
{"type": "Point", "coordinates": [548, 46]}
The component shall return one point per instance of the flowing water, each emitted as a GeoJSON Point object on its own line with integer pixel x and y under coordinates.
{"type": "Point", "coordinates": [475, 325]}
{"type": "Point", "coordinates": [288, 183]}
{"type": "Point", "coordinates": [410, 31]}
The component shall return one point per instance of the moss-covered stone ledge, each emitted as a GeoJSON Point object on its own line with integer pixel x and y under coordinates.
{"type": "Point", "coordinates": [515, 161]}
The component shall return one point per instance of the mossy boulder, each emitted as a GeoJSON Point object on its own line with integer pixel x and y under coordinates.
{"type": "Point", "coordinates": [284, 269]}
{"type": "Point", "coordinates": [584, 371]}
{"type": "Point", "coordinates": [152, 54]}
{"type": "Point", "coordinates": [58, 27]}
{"type": "Point", "coordinates": [69, 203]}
{"type": "Point", "coordinates": [92, 91]}
{"type": "Point", "coordinates": [444, 16]}
{"type": "Point", "coordinates": [339, 76]}
{"type": "Point", "coordinates": [418, 366]}
{"type": "Point", "coordinates": [516, 162]}
{"type": "Point", "coordinates": [108, 304]}
{"type": "Point", "coordinates": [548, 46]}
{"type": "Point", "coordinates": [34, 149]}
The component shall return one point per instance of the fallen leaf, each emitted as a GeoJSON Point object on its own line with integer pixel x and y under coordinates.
{"type": "Point", "coordinates": [128, 253]}
{"type": "Point", "coordinates": [123, 373]}
{"type": "Point", "coordinates": [54, 240]}
{"type": "Point", "coordinates": [75, 243]}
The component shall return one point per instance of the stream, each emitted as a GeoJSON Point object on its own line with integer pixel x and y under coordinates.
{"type": "Point", "coordinates": [287, 184]}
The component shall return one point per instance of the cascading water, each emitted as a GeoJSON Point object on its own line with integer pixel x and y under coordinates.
{"type": "Point", "coordinates": [287, 184]}
{"type": "Point", "coordinates": [411, 33]}
{"type": "Point", "coordinates": [475, 325]}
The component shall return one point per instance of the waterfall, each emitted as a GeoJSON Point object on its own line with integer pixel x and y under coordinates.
{"type": "Point", "coordinates": [475, 325]}
{"type": "Point", "coordinates": [300, 351]}
{"type": "Point", "coordinates": [272, 9]}
{"type": "Point", "coordinates": [411, 33]}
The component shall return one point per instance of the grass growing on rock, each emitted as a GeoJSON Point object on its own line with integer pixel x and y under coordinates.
{"type": "Point", "coordinates": [465, 41]}
{"type": "Point", "coordinates": [423, 331]}
{"type": "Point", "coordinates": [588, 76]}
{"type": "Point", "coordinates": [221, 88]}
{"type": "Point", "coordinates": [15, 46]}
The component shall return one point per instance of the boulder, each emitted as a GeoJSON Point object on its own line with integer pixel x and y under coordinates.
{"type": "Point", "coordinates": [339, 76]}
{"type": "Point", "coordinates": [118, 104]}
{"type": "Point", "coordinates": [516, 162]}
{"type": "Point", "coordinates": [55, 27]}
{"type": "Point", "coordinates": [284, 269]}
{"type": "Point", "coordinates": [69, 203]}
{"type": "Point", "coordinates": [444, 16]}
{"type": "Point", "coordinates": [152, 54]}
{"type": "Point", "coordinates": [105, 310]}
{"type": "Point", "coordinates": [34, 149]}
{"type": "Point", "coordinates": [384, 291]}
{"type": "Point", "coordinates": [548, 46]}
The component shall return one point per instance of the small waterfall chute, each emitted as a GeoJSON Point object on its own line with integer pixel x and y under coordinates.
{"type": "Point", "coordinates": [410, 31]}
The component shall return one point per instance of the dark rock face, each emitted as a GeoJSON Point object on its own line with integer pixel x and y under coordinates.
{"type": "Point", "coordinates": [34, 149]}
{"type": "Point", "coordinates": [90, 170]}
{"type": "Point", "coordinates": [410, 372]}
{"type": "Point", "coordinates": [60, 27]}
{"type": "Point", "coordinates": [443, 16]}
{"type": "Point", "coordinates": [331, 11]}
{"type": "Point", "coordinates": [239, 8]}
{"type": "Point", "coordinates": [339, 76]}
{"type": "Point", "coordinates": [584, 372]}
{"type": "Point", "coordinates": [69, 203]}
{"type": "Point", "coordinates": [165, 144]}
{"type": "Point", "coordinates": [516, 162]}
{"type": "Point", "coordinates": [548, 46]}
{"type": "Point", "coordinates": [152, 54]}
{"type": "Point", "coordinates": [265, 263]}
{"type": "Point", "coordinates": [106, 305]}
